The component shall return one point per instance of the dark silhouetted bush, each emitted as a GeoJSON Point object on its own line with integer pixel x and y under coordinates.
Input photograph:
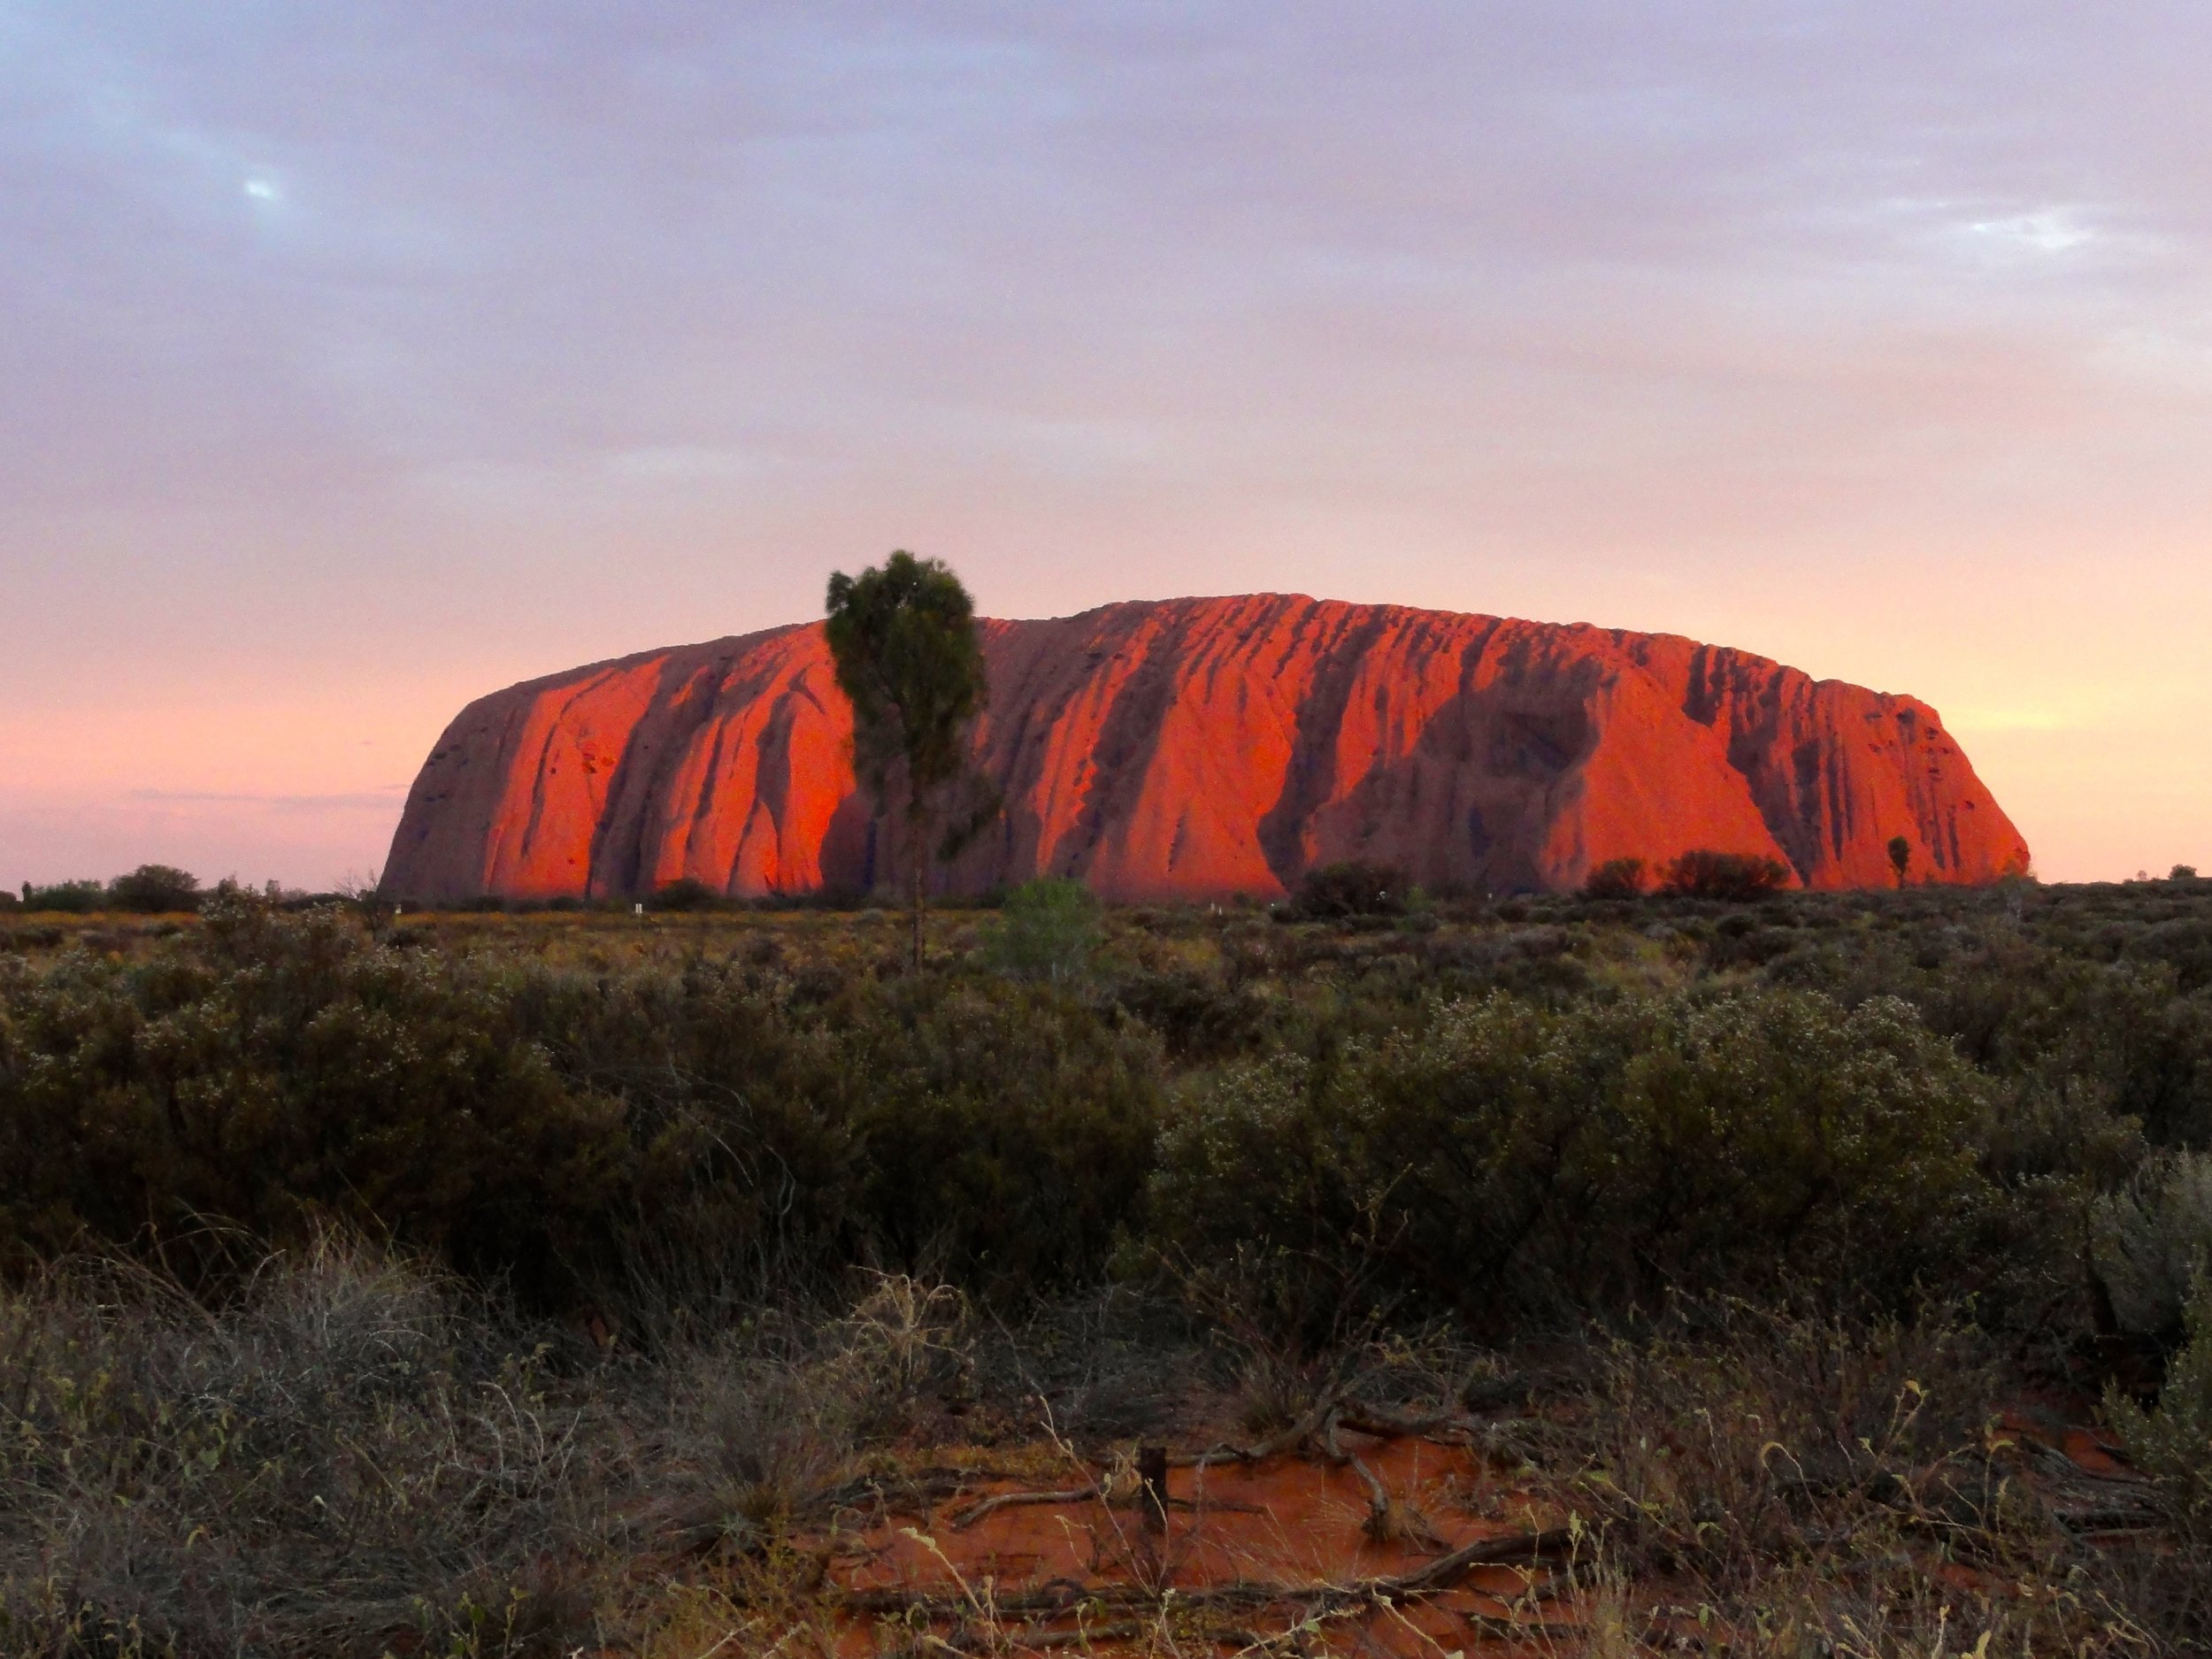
{"type": "Point", "coordinates": [76, 897]}
{"type": "Point", "coordinates": [1352, 888]}
{"type": "Point", "coordinates": [155, 890]}
{"type": "Point", "coordinates": [686, 893]}
{"type": "Point", "coordinates": [1616, 878]}
{"type": "Point", "coordinates": [1705, 874]}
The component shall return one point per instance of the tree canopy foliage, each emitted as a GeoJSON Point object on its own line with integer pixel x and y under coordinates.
{"type": "Point", "coordinates": [904, 636]}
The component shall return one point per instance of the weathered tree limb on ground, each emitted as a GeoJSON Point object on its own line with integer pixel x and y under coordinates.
{"type": "Point", "coordinates": [1379, 1421]}
{"type": "Point", "coordinates": [915, 1489]}
{"type": "Point", "coordinates": [1063, 1597]}
{"type": "Point", "coordinates": [1296, 1434]}
{"type": "Point", "coordinates": [1083, 1495]}
{"type": "Point", "coordinates": [1037, 1642]}
{"type": "Point", "coordinates": [1386, 1425]}
{"type": "Point", "coordinates": [969, 1517]}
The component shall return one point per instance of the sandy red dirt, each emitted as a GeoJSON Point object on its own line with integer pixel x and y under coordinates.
{"type": "Point", "coordinates": [1282, 1521]}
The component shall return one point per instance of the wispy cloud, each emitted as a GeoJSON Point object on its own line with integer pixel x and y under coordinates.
{"type": "Point", "coordinates": [381, 800]}
{"type": "Point", "coordinates": [384, 341]}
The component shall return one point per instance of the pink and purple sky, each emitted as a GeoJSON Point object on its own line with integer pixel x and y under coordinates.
{"type": "Point", "coordinates": [359, 358]}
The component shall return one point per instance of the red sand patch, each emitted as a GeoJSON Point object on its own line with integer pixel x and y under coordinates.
{"type": "Point", "coordinates": [1084, 1573]}
{"type": "Point", "coordinates": [1284, 1521]}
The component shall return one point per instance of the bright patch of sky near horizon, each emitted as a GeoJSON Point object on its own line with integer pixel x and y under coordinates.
{"type": "Point", "coordinates": [357, 359]}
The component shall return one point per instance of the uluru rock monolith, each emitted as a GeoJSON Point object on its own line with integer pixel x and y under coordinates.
{"type": "Point", "coordinates": [1193, 748]}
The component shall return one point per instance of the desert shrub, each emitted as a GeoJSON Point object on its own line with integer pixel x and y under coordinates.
{"type": "Point", "coordinates": [1703, 874]}
{"type": "Point", "coordinates": [995, 1132]}
{"type": "Point", "coordinates": [2184, 942]}
{"type": "Point", "coordinates": [1006, 1133]}
{"type": "Point", "coordinates": [2114, 1033]}
{"type": "Point", "coordinates": [1739, 1435]}
{"type": "Point", "coordinates": [154, 890]}
{"type": "Point", "coordinates": [2151, 1242]}
{"type": "Point", "coordinates": [1200, 1018]}
{"type": "Point", "coordinates": [686, 893]}
{"type": "Point", "coordinates": [1352, 888]}
{"type": "Point", "coordinates": [1047, 929]}
{"type": "Point", "coordinates": [351, 1457]}
{"type": "Point", "coordinates": [1513, 1156]}
{"type": "Point", "coordinates": [1616, 879]}
{"type": "Point", "coordinates": [77, 897]}
{"type": "Point", "coordinates": [278, 1073]}
{"type": "Point", "coordinates": [2171, 1440]}
{"type": "Point", "coordinates": [1778, 1472]}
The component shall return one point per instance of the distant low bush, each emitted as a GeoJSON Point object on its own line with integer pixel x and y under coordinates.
{"type": "Point", "coordinates": [1352, 888]}
{"type": "Point", "coordinates": [686, 893]}
{"type": "Point", "coordinates": [1616, 878]}
{"type": "Point", "coordinates": [77, 897]}
{"type": "Point", "coordinates": [155, 890]}
{"type": "Point", "coordinates": [1047, 929]}
{"type": "Point", "coordinates": [1705, 874]}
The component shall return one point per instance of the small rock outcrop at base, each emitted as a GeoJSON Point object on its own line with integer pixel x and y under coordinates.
{"type": "Point", "coordinates": [1196, 748]}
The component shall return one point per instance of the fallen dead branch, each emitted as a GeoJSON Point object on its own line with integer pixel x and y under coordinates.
{"type": "Point", "coordinates": [1295, 1435]}
{"type": "Point", "coordinates": [1063, 1597]}
{"type": "Point", "coordinates": [969, 1517]}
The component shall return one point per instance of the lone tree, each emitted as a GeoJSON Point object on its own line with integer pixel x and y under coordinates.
{"type": "Point", "coordinates": [1900, 857]}
{"type": "Point", "coordinates": [156, 889]}
{"type": "Point", "coordinates": [905, 640]}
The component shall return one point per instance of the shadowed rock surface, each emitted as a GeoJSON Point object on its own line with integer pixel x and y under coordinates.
{"type": "Point", "coordinates": [1198, 748]}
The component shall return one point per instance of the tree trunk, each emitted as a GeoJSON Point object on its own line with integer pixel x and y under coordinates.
{"type": "Point", "coordinates": [914, 874]}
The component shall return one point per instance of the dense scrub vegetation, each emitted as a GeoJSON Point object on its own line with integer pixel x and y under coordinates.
{"type": "Point", "coordinates": [1569, 1120]}
{"type": "Point", "coordinates": [1528, 1111]}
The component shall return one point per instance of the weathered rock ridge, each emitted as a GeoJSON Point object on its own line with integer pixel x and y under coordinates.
{"type": "Point", "coordinates": [1198, 748]}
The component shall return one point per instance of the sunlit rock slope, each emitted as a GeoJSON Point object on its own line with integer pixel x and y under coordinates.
{"type": "Point", "coordinates": [1200, 748]}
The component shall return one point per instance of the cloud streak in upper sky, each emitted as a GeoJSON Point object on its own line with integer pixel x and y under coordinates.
{"type": "Point", "coordinates": [367, 356]}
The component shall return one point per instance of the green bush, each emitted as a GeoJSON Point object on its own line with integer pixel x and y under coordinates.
{"type": "Point", "coordinates": [1047, 929]}
{"type": "Point", "coordinates": [272, 1074]}
{"type": "Point", "coordinates": [155, 890]}
{"type": "Point", "coordinates": [77, 897]}
{"type": "Point", "coordinates": [280, 1073]}
{"type": "Point", "coordinates": [1007, 1135]}
{"type": "Point", "coordinates": [2172, 1441]}
{"type": "Point", "coordinates": [2151, 1242]}
{"type": "Point", "coordinates": [1546, 1113]}
{"type": "Point", "coordinates": [1510, 1156]}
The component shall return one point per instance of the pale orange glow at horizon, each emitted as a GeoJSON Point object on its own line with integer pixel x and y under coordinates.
{"type": "Point", "coordinates": [353, 364]}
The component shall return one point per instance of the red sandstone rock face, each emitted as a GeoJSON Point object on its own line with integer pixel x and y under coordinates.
{"type": "Point", "coordinates": [1198, 748]}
